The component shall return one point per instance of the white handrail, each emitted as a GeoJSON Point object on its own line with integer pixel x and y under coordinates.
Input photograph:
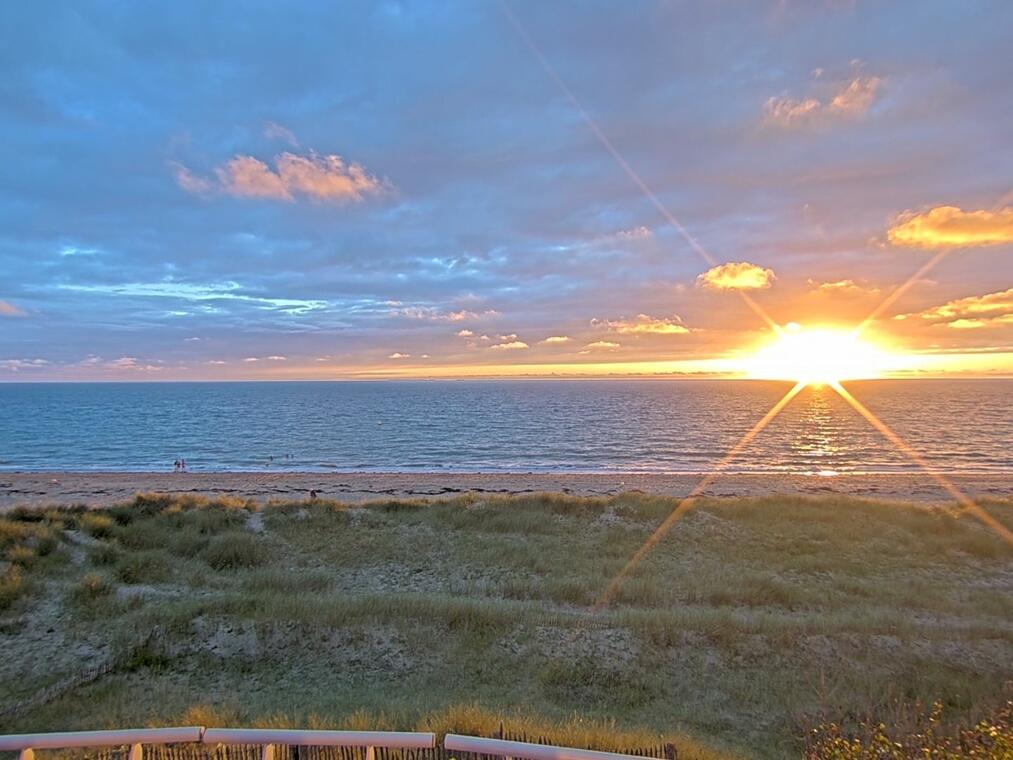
{"type": "Point", "coordinates": [526, 750]}
{"type": "Point", "coordinates": [69, 739]}
{"type": "Point", "coordinates": [391, 739]}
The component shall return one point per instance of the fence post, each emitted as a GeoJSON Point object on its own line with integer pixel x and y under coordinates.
{"type": "Point", "coordinates": [267, 752]}
{"type": "Point", "coordinates": [27, 754]}
{"type": "Point", "coordinates": [370, 753]}
{"type": "Point", "coordinates": [136, 752]}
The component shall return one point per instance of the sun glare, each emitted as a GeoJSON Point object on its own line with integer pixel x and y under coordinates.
{"type": "Point", "coordinates": [816, 356]}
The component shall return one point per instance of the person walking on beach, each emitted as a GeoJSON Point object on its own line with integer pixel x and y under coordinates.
{"type": "Point", "coordinates": [175, 466]}
{"type": "Point", "coordinates": [182, 465]}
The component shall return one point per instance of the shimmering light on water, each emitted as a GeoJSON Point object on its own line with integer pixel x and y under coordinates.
{"type": "Point", "coordinates": [529, 425]}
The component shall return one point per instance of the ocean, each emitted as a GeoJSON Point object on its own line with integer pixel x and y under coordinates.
{"type": "Point", "coordinates": [958, 426]}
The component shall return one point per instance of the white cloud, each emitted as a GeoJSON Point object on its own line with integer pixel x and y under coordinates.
{"type": "Point", "coordinates": [399, 355]}
{"type": "Point", "coordinates": [276, 131]}
{"type": "Point", "coordinates": [644, 324]}
{"type": "Point", "coordinates": [512, 345]}
{"type": "Point", "coordinates": [555, 340]}
{"type": "Point", "coordinates": [16, 365]}
{"type": "Point", "coordinates": [433, 314]}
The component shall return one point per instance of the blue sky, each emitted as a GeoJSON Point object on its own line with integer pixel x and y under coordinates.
{"type": "Point", "coordinates": [364, 189]}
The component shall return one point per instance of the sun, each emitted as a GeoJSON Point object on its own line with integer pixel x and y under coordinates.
{"type": "Point", "coordinates": [816, 356]}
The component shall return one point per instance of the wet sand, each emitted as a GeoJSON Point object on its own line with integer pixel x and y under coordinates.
{"type": "Point", "coordinates": [97, 489]}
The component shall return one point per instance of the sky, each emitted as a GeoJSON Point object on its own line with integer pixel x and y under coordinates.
{"type": "Point", "coordinates": [420, 189]}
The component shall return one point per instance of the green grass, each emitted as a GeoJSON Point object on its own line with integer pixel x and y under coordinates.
{"type": "Point", "coordinates": [751, 624]}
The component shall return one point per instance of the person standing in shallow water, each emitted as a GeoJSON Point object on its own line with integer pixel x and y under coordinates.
{"type": "Point", "coordinates": [175, 466]}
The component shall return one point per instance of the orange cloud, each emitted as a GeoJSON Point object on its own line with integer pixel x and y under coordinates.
{"type": "Point", "coordinates": [644, 324]}
{"type": "Point", "coordinates": [952, 227]}
{"type": "Point", "coordinates": [971, 313]}
{"type": "Point", "coordinates": [607, 345]}
{"type": "Point", "coordinates": [512, 345]}
{"type": "Point", "coordinates": [189, 181]}
{"type": "Point", "coordinates": [842, 287]}
{"type": "Point", "coordinates": [7, 309]}
{"type": "Point", "coordinates": [322, 178]}
{"type": "Point", "coordinates": [249, 177]}
{"type": "Point", "coordinates": [739, 275]}
{"type": "Point", "coordinates": [555, 340]}
{"type": "Point", "coordinates": [851, 101]}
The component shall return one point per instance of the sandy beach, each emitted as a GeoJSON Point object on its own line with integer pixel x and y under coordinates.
{"type": "Point", "coordinates": [103, 488]}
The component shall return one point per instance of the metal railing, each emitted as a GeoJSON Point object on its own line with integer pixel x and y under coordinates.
{"type": "Point", "coordinates": [269, 738]}
{"type": "Point", "coordinates": [511, 749]}
{"type": "Point", "coordinates": [135, 737]}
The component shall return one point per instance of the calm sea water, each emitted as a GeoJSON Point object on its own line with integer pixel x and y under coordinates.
{"type": "Point", "coordinates": [527, 425]}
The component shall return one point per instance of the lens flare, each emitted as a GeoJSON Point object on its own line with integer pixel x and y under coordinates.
{"type": "Point", "coordinates": [815, 356]}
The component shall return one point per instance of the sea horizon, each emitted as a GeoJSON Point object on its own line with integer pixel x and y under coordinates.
{"type": "Point", "coordinates": [485, 425]}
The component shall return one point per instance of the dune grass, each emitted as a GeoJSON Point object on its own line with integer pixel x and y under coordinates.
{"type": "Point", "coordinates": [751, 625]}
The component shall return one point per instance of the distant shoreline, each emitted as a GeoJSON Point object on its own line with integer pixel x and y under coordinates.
{"type": "Point", "coordinates": [103, 488]}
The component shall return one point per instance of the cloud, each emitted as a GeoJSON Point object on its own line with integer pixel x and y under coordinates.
{"type": "Point", "coordinates": [465, 334]}
{"type": "Point", "coordinates": [644, 324]}
{"type": "Point", "coordinates": [952, 227]}
{"type": "Point", "coordinates": [434, 314]}
{"type": "Point", "coordinates": [319, 177]}
{"type": "Point", "coordinates": [277, 358]}
{"type": "Point", "coordinates": [251, 359]}
{"type": "Point", "coordinates": [248, 177]}
{"type": "Point", "coordinates": [276, 131]}
{"type": "Point", "coordinates": [189, 181]}
{"type": "Point", "coordinates": [841, 287]}
{"type": "Point", "coordinates": [599, 345]}
{"type": "Point", "coordinates": [739, 275]}
{"type": "Point", "coordinates": [555, 340]}
{"type": "Point", "coordinates": [635, 233]}
{"type": "Point", "coordinates": [16, 365]}
{"type": "Point", "coordinates": [971, 313]}
{"type": "Point", "coordinates": [512, 345]}
{"type": "Point", "coordinates": [399, 355]}
{"type": "Point", "coordinates": [851, 101]}
{"type": "Point", "coordinates": [7, 309]}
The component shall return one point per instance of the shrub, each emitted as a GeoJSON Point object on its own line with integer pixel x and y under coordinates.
{"type": "Point", "coordinates": [924, 736]}
{"type": "Point", "coordinates": [12, 532]}
{"type": "Point", "coordinates": [234, 550]}
{"type": "Point", "coordinates": [143, 567]}
{"type": "Point", "coordinates": [92, 586]}
{"type": "Point", "coordinates": [97, 526]}
{"type": "Point", "coordinates": [142, 535]}
{"type": "Point", "coordinates": [46, 541]}
{"type": "Point", "coordinates": [188, 542]}
{"type": "Point", "coordinates": [12, 586]}
{"type": "Point", "coordinates": [104, 555]}
{"type": "Point", "coordinates": [21, 555]}
{"type": "Point", "coordinates": [588, 683]}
